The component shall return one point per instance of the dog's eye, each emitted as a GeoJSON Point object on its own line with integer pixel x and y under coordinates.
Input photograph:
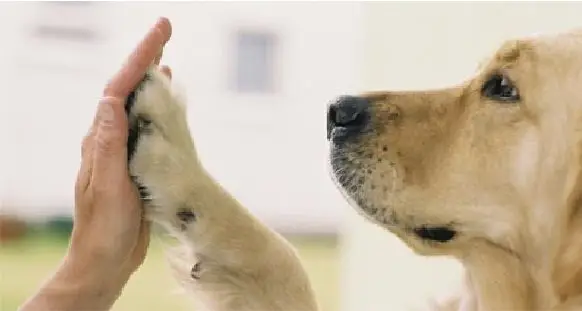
{"type": "Point", "coordinates": [500, 88]}
{"type": "Point", "coordinates": [437, 234]}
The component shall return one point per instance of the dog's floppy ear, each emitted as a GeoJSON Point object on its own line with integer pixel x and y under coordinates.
{"type": "Point", "coordinates": [568, 266]}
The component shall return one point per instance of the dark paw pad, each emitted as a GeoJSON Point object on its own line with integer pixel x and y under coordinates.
{"type": "Point", "coordinates": [185, 216]}
{"type": "Point", "coordinates": [195, 272]}
{"type": "Point", "coordinates": [136, 124]}
{"type": "Point", "coordinates": [144, 194]}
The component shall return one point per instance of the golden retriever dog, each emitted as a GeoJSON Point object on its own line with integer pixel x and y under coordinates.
{"type": "Point", "coordinates": [488, 171]}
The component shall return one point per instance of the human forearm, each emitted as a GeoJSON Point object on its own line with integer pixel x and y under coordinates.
{"type": "Point", "coordinates": [78, 286]}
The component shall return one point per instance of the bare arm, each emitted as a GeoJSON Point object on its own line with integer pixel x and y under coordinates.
{"type": "Point", "coordinates": [78, 286]}
{"type": "Point", "coordinates": [110, 237]}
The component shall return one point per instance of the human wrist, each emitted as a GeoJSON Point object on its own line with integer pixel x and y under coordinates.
{"type": "Point", "coordinates": [94, 273]}
{"type": "Point", "coordinates": [100, 260]}
{"type": "Point", "coordinates": [94, 278]}
{"type": "Point", "coordinates": [100, 285]}
{"type": "Point", "coordinates": [76, 286]}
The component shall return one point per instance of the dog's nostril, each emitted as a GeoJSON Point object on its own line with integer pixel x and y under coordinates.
{"type": "Point", "coordinates": [348, 112]}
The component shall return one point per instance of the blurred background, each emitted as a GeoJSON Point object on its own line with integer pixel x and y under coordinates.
{"type": "Point", "coordinates": [257, 77]}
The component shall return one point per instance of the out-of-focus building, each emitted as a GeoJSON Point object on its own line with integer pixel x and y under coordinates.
{"type": "Point", "coordinates": [258, 77]}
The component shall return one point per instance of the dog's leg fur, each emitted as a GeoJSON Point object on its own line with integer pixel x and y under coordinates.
{"type": "Point", "coordinates": [231, 261]}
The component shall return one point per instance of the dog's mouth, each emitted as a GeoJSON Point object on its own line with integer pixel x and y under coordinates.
{"type": "Point", "coordinates": [367, 190]}
{"type": "Point", "coordinates": [438, 234]}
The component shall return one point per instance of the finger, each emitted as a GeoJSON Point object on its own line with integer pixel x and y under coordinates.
{"type": "Point", "coordinates": [159, 57]}
{"type": "Point", "coordinates": [87, 143]}
{"type": "Point", "coordinates": [140, 59]}
{"type": "Point", "coordinates": [166, 71]}
{"type": "Point", "coordinates": [84, 173]}
{"type": "Point", "coordinates": [110, 143]}
{"type": "Point", "coordinates": [85, 168]}
{"type": "Point", "coordinates": [137, 63]}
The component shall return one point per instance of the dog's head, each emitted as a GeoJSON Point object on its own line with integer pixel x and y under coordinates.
{"type": "Point", "coordinates": [490, 166]}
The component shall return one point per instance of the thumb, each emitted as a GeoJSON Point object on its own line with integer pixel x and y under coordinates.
{"type": "Point", "coordinates": [110, 149]}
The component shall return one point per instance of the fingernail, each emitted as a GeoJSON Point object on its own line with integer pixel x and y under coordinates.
{"type": "Point", "coordinates": [165, 20]}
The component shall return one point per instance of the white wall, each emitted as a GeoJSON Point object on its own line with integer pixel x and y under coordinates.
{"type": "Point", "coordinates": [413, 46]}
{"type": "Point", "coordinates": [268, 150]}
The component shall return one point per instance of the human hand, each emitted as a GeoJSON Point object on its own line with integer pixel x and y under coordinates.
{"type": "Point", "coordinates": [110, 237]}
{"type": "Point", "coordinates": [109, 229]}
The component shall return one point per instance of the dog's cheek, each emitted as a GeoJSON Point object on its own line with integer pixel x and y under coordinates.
{"type": "Point", "coordinates": [525, 166]}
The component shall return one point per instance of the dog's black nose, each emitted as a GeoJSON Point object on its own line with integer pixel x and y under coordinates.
{"type": "Point", "coordinates": [347, 116]}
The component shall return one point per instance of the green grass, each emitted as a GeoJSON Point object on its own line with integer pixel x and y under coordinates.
{"type": "Point", "coordinates": [25, 264]}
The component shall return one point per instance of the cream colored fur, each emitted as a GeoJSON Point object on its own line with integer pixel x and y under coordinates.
{"type": "Point", "coordinates": [506, 176]}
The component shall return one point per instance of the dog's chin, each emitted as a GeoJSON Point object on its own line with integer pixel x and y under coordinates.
{"type": "Point", "coordinates": [348, 196]}
{"type": "Point", "coordinates": [357, 200]}
{"type": "Point", "coordinates": [350, 193]}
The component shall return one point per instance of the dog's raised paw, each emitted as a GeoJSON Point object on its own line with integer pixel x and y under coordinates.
{"type": "Point", "coordinates": [159, 146]}
{"type": "Point", "coordinates": [153, 107]}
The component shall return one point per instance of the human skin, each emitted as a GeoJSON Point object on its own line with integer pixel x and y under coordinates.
{"type": "Point", "coordinates": [110, 237]}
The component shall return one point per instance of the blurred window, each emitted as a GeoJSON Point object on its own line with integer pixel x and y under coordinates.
{"type": "Point", "coordinates": [254, 62]}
